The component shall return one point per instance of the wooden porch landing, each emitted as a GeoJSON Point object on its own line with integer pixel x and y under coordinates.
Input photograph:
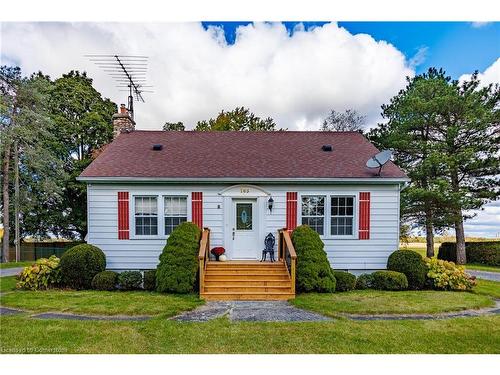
{"type": "Point", "coordinates": [246, 280]}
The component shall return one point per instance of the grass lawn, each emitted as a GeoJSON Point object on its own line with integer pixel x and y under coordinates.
{"type": "Point", "coordinates": [15, 264]}
{"type": "Point", "coordinates": [23, 334]}
{"type": "Point", "coordinates": [481, 267]}
{"type": "Point", "coordinates": [488, 288]}
{"type": "Point", "coordinates": [101, 303]}
{"type": "Point", "coordinates": [384, 302]}
{"type": "Point", "coordinates": [460, 335]}
{"type": "Point", "coordinates": [7, 283]}
{"type": "Point", "coordinates": [419, 247]}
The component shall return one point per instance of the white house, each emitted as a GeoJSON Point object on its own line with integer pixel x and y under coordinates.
{"type": "Point", "coordinates": [241, 186]}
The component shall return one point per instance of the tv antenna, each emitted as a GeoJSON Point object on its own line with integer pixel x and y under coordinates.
{"type": "Point", "coordinates": [379, 160]}
{"type": "Point", "coordinates": [129, 72]}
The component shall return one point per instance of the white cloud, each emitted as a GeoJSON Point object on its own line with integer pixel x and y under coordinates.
{"type": "Point", "coordinates": [419, 57]}
{"type": "Point", "coordinates": [490, 75]}
{"type": "Point", "coordinates": [294, 79]}
{"type": "Point", "coordinates": [478, 25]}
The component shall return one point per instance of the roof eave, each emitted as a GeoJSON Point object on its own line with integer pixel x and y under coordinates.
{"type": "Point", "coordinates": [376, 180]}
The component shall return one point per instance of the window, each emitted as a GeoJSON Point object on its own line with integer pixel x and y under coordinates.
{"type": "Point", "coordinates": [146, 216]}
{"type": "Point", "coordinates": [175, 212]}
{"type": "Point", "coordinates": [243, 216]}
{"type": "Point", "coordinates": [313, 212]}
{"type": "Point", "coordinates": [342, 216]}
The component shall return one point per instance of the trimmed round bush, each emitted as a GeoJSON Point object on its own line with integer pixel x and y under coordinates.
{"type": "Point", "coordinates": [178, 268]}
{"type": "Point", "coordinates": [150, 280]}
{"type": "Point", "coordinates": [80, 264]}
{"type": "Point", "coordinates": [390, 280]}
{"type": "Point", "coordinates": [105, 280]}
{"type": "Point", "coordinates": [314, 273]}
{"type": "Point", "coordinates": [345, 281]}
{"type": "Point", "coordinates": [130, 280]}
{"type": "Point", "coordinates": [364, 281]}
{"type": "Point", "coordinates": [411, 264]}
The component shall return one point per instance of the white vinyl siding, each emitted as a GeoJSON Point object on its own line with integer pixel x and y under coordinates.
{"type": "Point", "coordinates": [344, 252]}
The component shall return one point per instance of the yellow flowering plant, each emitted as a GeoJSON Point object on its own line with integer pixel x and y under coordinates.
{"type": "Point", "coordinates": [42, 274]}
{"type": "Point", "coordinates": [447, 275]}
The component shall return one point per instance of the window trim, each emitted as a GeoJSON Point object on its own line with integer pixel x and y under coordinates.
{"type": "Point", "coordinates": [299, 208]}
{"type": "Point", "coordinates": [161, 209]}
{"type": "Point", "coordinates": [132, 208]}
{"type": "Point", "coordinates": [188, 213]}
{"type": "Point", "coordinates": [328, 209]}
{"type": "Point", "coordinates": [354, 234]}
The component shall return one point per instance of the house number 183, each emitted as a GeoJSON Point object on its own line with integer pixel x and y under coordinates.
{"type": "Point", "coordinates": [245, 190]}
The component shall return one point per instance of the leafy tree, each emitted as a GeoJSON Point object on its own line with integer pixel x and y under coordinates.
{"type": "Point", "coordinates": [446, 137]}
{"type": "Point", "coordinates": [83, 120]}
{"type": "Point", "coordinates": [239, 119]}
{"type": "Point", "coordinates": [411, 116]}
{"type": "Point", "coordinates": [174, 126]}
{"type": "Point", "coordinates": [468, 139]}
{"type": "Point", "coordinates": [349, 120]}
{"type": "Point", "coordinates": [27, 141]}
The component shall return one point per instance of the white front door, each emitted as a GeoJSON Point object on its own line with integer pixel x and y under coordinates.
{"type": "Point", "coordinates": [245, 229]}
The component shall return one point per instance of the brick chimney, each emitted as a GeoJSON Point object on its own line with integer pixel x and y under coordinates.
{"type": "Point", "coordinates": [122, 122]}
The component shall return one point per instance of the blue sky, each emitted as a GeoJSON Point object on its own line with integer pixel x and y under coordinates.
{"type": "Point", "coordinates": [458, 47]}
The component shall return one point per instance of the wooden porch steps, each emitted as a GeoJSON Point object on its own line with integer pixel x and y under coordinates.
{"type": "Point", "coordinates": [240, 280]}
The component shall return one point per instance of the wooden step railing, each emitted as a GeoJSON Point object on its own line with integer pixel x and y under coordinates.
{"type": "Point", "coordinates": [204, 256]}
{"type": "Point", "coordinates": [287, 254]}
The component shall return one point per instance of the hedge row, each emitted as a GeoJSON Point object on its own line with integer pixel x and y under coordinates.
{"type": "Point", "coordinates": [487, 252]}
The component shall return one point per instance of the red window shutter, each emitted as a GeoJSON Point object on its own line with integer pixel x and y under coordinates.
{"type": "Point", "coordinates": [364, 216]}
{"type": "Point", "coordinates": [291, 211]}
{"type": "Point", "coordinates": [197, 208]}
{"type": "Point", "coordinates": [123, 216]}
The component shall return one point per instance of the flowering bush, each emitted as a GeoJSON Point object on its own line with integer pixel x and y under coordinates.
{"type": "Point", "coordinates": [448, 276]}
{"type": "Point", "coordinates": [218, 251]}
{"type": "Point", "coordinates": [43, 274]}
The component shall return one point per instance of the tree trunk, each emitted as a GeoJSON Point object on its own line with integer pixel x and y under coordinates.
{"type": "Point", "coordinates": [429, 234]}
{"type": "Point", "coordinates": [6, 203]}
{"type": "Point", "coordinates": [459, 223]}
{"type": "Point", "coordinates": [460, 238]}
{"type": "Point", "coordinates": [17, 239]}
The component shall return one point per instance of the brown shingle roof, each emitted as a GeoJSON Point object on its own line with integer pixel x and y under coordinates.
{"type": "Point", "coordinates": [284, 154]}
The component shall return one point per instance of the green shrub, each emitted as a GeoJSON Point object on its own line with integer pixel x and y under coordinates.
{"type": "Point", "coordinates": [345, 281]}
{"type": "Point", "coordinates": [314, 273]}
{"type": "Point", "coordinates": [364, 281]}
{"type": "Point", "coordinates": [43, 274]}
{"type": "Point", "coordinates": [487, 252]}
{"type": "Point", "coordinates": [80, 264]}
{"type": "Point", "coordinates": [178, 266]}
{"type": "Point", "coordinates": [150, 280]}
{"type": "Point", "coordinates": [390, 280]}
{"type": "Point", "coordinates": [411, 264]}
{"type": "Point", "coordinates": [130, 280]}
{"type": "Point", "coordinates": [105, 280]}
{"type": "Point", "coordinates": [448, 276]}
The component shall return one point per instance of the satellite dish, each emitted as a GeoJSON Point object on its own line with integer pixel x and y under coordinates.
{"type": "Point", "coordinates": [379, 160]}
